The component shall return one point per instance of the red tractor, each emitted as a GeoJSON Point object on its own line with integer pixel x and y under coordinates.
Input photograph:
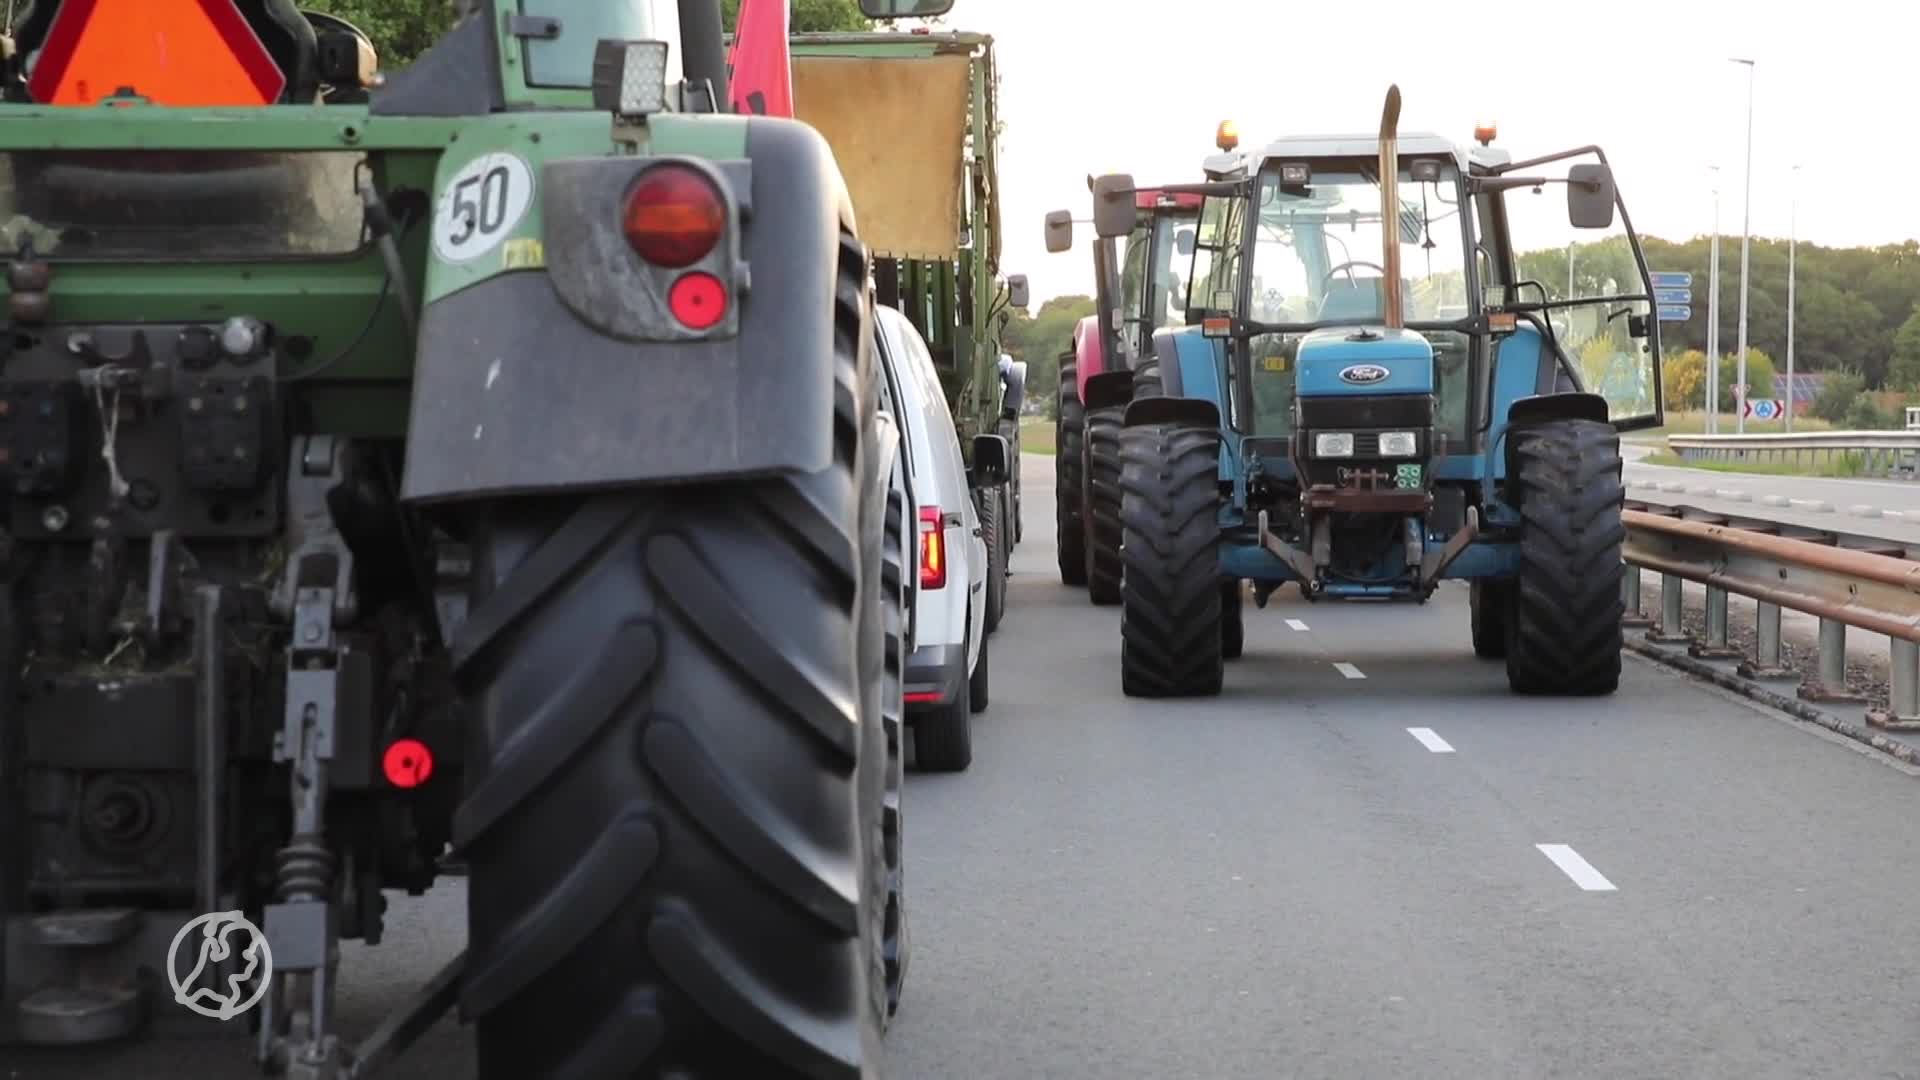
{"type": "Point", "coordinates": [1096, 377]}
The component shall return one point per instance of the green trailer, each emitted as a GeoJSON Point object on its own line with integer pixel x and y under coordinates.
{"type": "Point", "coordinates": [913, 122]}
{"type": "Point", "coordinates": [484, 456]}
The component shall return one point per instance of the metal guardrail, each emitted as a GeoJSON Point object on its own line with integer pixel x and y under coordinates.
{"type": "Point", "coordinates": [1883, 453]}
{"type": "Point", "coordinates": [1845, 581]}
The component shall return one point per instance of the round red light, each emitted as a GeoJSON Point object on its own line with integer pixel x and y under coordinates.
{"type": "Point", "coordinates": [674, 216]}
{"type": "Point", "coordinates": [407, 763]}
{"type": "Point", "coordinates": [698, 300]}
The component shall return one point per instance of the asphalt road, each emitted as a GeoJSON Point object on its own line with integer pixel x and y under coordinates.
{"type": "Point", "coordinates": [1287, 881]}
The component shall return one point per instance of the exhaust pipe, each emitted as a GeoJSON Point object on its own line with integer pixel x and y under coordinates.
{"type": "Point", "coordinates": [1390, 207]}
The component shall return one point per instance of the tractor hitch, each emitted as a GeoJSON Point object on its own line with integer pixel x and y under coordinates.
{"type": "Point", "coordinates": [1437, 561]}
{"type": "Point", "coordinates": [1300, 562]}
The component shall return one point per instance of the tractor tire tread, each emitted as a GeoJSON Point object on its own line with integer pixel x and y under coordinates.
{"type": "Point", "coordinates": [1566, 636]}
{"type": "Point", "coordinates": [1170, 613]}
{"type": "Point", "coordinates": [1069, 529]}
{"type": "Point", "coordinates": [667, 836]}
{"type": "Point", "coordinates": [1103, 494]}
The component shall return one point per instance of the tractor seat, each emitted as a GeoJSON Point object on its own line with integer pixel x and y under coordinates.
{"type": "Point", "coordinates": [286, 33]}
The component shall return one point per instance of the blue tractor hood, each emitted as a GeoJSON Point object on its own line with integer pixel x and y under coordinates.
{"type": "Point", "coordinates": [1355, 361]}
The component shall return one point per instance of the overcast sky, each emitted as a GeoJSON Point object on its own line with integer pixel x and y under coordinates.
{"type": "Point", "coordinates": [1135, 86]}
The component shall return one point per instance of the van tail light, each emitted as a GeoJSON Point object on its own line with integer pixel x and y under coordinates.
{"type": "Point", "coordinates": [933, 549]}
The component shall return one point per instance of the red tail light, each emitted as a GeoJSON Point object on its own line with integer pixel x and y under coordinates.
{"type": "Point", "coordinates": [407, 763]}
{"type": "Point", "coordinates": [933, 549]}
{"type": "Point", "coordinates": [674, 216]}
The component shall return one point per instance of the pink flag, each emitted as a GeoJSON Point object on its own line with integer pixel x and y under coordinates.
{"type": "Point", "coordinates": [759, 68]}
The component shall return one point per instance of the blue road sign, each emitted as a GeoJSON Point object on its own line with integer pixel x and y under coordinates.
{"type": "Point", "coordinates": [1673, 296]}
{"type": "Point", "coordinates": [1671, 279]}
{"type": "Point", "coordinates": [1675, 313]}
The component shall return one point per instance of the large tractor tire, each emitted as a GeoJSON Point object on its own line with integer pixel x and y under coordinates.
{"type": "Point", "coordinates": [1146, 377]}
{"type": "Point", "coordinates": [1070, 539]}
{"type": "Point", "coordinates": [669, 847]}
{"type": "Point", "coordinates": [1233, 623]}
{"type": "Point", "coordinates": [893, 935]}
{"type": "Point", "coordinates": [1170, 609]}
{"type": "Point", "coordinates": [1101, 496]}
{"type": "Point", "coordinates": [1564, 634]}
{"type": "Point", "coordinates": [993, 531]}
{"type": "Point", "coordinates": [1491, 605]}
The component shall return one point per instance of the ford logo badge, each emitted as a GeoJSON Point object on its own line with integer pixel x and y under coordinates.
{"type": "Point", "coordinates": [1363, 374]}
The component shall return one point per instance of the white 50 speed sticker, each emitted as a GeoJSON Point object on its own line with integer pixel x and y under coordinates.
{"type": "Point", "coordinates": [481, 206]}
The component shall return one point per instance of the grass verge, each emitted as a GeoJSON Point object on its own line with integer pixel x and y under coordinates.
{"type": "Point", "coordinates": [1036, 437]}
{"type": "Point", "coordinates": [1843, 465]}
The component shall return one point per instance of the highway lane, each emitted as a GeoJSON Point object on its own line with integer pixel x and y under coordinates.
{"type": "Point", "coordinates": [1286, 881]}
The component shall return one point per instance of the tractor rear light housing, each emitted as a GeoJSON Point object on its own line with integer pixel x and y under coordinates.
{"type": "Point", "coordinates": [674, 216]}
{"type": "Point", "coordinates": [1399, 444]}
{"type": "Point", "coordinates": [1329, 444]}
{"type": "Point", "coordinates": [933, 548]}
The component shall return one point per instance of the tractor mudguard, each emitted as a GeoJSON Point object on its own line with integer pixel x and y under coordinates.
{"type": "Point", "coordinates": [1577, 405]}
{"type": "Point", "coordinates": [516, 391]}
{"type": "Point", "coordinates": [1107, 389]}
{"type": "Point", "coordinates": [1089, 358]}
{"type": "Point", "coordinates": [1185, 412]}
{"type": "Point", "coordinates": [1192, 365]}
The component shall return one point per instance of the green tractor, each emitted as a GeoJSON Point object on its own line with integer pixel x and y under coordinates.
{"type": "Point", "coordinates": [480, 456]}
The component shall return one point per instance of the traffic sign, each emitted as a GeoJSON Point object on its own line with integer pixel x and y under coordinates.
{"type": "Point", "coordinates": [1675, 313]}
{"type": "Point", "coordinates": [1673, 296]}
{"type": "Point", "coordinates": [1766, 408]}
{"type": "Point", "coordinates": [1671, 279]}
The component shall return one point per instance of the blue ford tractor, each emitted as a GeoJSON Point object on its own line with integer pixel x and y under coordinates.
{"type": "Point", "coordinates": [1368, 435]}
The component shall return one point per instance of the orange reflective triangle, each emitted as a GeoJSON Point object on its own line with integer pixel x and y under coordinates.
{"type": "Point", "coordinates": [171, 52]}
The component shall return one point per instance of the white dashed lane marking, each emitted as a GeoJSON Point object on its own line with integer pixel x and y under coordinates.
{"type": "Point", "coordinates": [1577, 868]}
{"type": "Point", "coordinates": [1430, 740]}
{"type": "Point", "coordinates": [1296, 624]}
{"type": "Point", "coordinates": [1348, 670]}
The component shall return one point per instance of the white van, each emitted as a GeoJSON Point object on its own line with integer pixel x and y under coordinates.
{"type": "Point", "coordinates": [946, 674]}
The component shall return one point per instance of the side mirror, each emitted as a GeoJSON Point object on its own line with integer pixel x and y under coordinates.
{"type": "Point", "coordinates": [904, 9]}
{"type": "Point", "coordinates": [989, 461]}
{"type": "Point", "coordinates": [1183, 242]}
{"type": "Point", "coordinates": [1018, 294]}
{"type": "Point", "coordinates": [1590, 196]}
{"type": "Point", "coordinates": [1113, 210]}
{"type": "Point", "coordinates": [1059, 231]}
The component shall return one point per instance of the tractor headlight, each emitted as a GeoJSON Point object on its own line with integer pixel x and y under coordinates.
{"type": "Point", "coordinates": [1398, 444]}
{"type": "Point", "coordinates": [1333, 444]}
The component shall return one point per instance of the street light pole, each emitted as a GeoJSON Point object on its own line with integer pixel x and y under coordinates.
{"type": "Point", "coordinates": [1713, 315]}
{"type": "Point", "coordinates": [1746, 250]}
{"type": "Point", "coordinates": [1793, 242]}
{"type": "Point", "coordinates": [1569, 271]}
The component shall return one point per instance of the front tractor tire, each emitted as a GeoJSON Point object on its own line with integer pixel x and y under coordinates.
{"type": "Point", "coordinates": [1171, 624]}
{"type": "Point", "coordinates": [1070, 540]}
{"type": "Point", "coordinates": [674, 867]}
{"type": "Point", "coordinates": [1100, 489]}
{"type": "Point", "coordinates": [1563, 632]}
